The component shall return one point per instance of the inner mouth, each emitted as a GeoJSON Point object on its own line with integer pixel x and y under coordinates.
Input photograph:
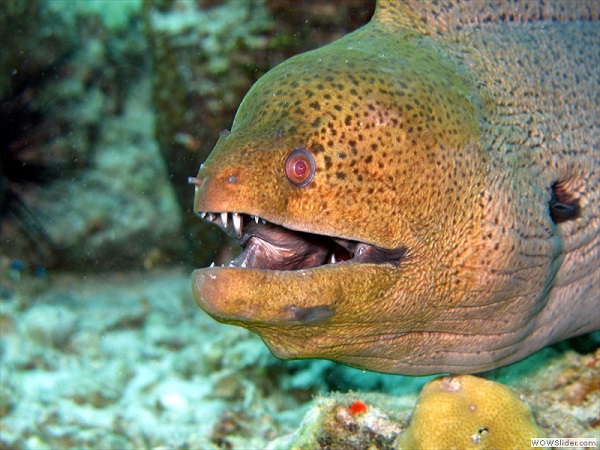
{"type": "Point", "coordinates": [266, 245]}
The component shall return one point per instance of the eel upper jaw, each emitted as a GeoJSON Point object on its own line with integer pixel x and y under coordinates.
{"type": "Point", "coordinates": [269, 246]}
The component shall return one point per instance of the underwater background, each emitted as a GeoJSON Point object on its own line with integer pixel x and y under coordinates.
{"type": "Point", "coordinates": [106, 108]}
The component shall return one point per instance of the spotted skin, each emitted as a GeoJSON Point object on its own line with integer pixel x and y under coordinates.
{"type": "Point", "coordinates": [437, 137]}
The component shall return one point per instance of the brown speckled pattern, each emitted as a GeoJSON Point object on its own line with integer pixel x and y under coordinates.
{"type": "Point", "coordinates": [441, 140]}
{"type": "Point", "coordinates": [450, 15]}
{"type": "Point", "coordinates": [370, 135]}
{"type": "Point", "coordinates": [541, 127]}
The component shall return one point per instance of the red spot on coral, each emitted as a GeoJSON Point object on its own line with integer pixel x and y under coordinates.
{"type": "Point", "coordinates": [358, 407]}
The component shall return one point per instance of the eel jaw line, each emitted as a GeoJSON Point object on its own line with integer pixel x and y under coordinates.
{"type": "Point", "coordinates": [268, 246]}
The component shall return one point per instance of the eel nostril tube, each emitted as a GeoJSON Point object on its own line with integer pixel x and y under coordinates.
{"type": "Point", "coordinates": [194, 180]}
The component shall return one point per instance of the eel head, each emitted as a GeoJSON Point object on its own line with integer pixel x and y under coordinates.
{"type": "Point", "coordinates": [355, 184]}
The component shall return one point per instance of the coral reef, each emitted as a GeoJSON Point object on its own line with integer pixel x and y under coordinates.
{"type": "Point", "coordinates": [467, 412]}
{"type": "Point", "coordinates": [87, 80]}
{"type": "Point", "coordinates": [84, 70]}
{"type": "Point", "coordinates": [123, 360]}
{"type": "Point", "coordinates": [49, 325]}
{"type": "Point", "coordinates": [335, 422]}
{"type": "Point", "coordinates": [27, 56]}
{"type": "Point", "coordinates": [565, 396]}
{"type": "Point", "coordinates": [29, 151]}
{"type": "Point", "coordinates": [204, 60]}
{"type": "Point", "coordinates": [313, 23]}
{"type": "Point", "coordinates": [26, 163]}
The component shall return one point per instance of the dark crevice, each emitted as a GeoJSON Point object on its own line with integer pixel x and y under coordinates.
{"type": "Point", "coordinates": [564, 205]}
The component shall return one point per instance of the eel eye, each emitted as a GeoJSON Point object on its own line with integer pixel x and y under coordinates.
{"type": "Point", "coordinates": [300, 167]}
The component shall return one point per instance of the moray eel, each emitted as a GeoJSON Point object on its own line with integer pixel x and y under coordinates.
{"type": "Point", "coordinates": [420, 196]}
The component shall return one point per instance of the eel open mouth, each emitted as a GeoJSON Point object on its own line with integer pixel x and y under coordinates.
{"type": "Point", "coordinates": [269, 246]}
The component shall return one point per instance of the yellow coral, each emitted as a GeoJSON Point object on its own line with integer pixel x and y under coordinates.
{"type": "Point", "coordinates": [467, 412]}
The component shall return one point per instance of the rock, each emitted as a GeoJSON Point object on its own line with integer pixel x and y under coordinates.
{"type": "Point", "coordinates": [50, 325]}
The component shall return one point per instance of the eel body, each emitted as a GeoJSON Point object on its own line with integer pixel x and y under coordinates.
{"type": "Point", "coordinates": [420, 196]}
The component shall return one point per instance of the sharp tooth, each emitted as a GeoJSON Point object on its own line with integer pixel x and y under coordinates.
{"type": "Point", "coordinates": [212, 217]}
{"type": "Point", "coordinates": [212, 264]}
{"type": "Point", "coordinates": [202, 214]}
{"type": "Point", "coordinates": [224, 219]}
{"type": "Point", "coordinates": [237, 224]}
{"type": "Point", "coordinates": [256, 219]}
{"type": "Point", "coordinates": [332, 259]}
{"type": "Point", "coordinates": [264, 222]}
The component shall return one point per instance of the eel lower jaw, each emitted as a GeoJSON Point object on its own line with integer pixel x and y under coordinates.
{"type": "Point", "coordinates": [268, 246]}
{"type": "Point", "coordinates": [284, 277]}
